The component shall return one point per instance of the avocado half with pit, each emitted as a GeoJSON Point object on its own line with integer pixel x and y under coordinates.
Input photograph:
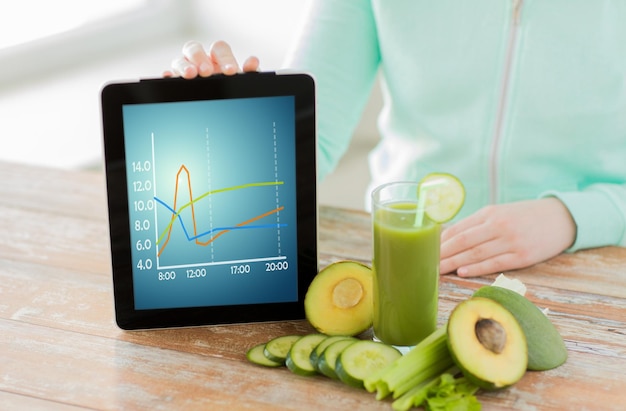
{"type": "Point", "coordinates": [339, 299]}
{"type": "Point", "coordinates": [487, 343]}
{"type": "Point", "coordinates": [546, 348]}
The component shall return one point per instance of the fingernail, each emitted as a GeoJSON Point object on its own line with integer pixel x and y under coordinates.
{"type": "Point", "coordinates": [189, 72]}
{"type": "Point", "coordinates": [192, 47]}
{"type": "Point", "coordinates": [228, 68]}
{"type": "Point", "coordinates": [205, 68]}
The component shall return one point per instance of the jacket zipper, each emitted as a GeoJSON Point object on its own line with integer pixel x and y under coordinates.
{"type": "Point", "coordinates": [504, 91]}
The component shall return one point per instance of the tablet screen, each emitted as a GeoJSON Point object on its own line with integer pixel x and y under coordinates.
{"type": "Point", "coordinates": [211, 186]}
{"type": "Point", "coordinates": [212, 206]}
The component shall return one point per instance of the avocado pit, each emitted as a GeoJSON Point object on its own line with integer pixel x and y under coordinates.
{"type": "Point", "coordinates": [347, 293]}
{"type": "Point", "coordinates": [491, 335]}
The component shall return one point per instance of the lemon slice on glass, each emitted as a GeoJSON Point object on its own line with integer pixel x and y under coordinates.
{"type": "Point", "coordinates": [442, 196]}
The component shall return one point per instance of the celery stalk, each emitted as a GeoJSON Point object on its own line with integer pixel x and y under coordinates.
{"type": "Point", "coordinates": [432, 357]}
{"type": "Point", "coordinates": [418, 394]}
{"type": "Point", "coordinates": [382, 391]}
{"type": "Point", "coordinates": [415, 397]}
{"type": "Point", "coordinates": [425, 360]}
{"type": "Point", "coordinates": [407, 362]}
{"type": "Point", "coordinates": [432, 371]}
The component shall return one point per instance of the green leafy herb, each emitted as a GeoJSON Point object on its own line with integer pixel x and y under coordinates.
{"type": "Point", "coordinates": [452, 394]}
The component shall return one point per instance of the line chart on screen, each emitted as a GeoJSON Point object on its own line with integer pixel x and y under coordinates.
{"type": "Point", "coordinates": [202, 212]}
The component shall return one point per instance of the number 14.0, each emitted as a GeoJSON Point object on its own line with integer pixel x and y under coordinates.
{"type": "Point", "coordinates": [139, 166]}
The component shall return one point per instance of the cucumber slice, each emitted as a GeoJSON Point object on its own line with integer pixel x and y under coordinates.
{"type": "Point", "coordinates": [317, 352]}
{"type": "Point", "coordinates": [298, 358]}
{"type": "Point", "coordinates": [256, 356]}
{"type": "Point", "coordinates": [442, 196]}
{"type": "Point", "coordinates": [276, 349]}
{"type": "Point", "coordinates": [362, 359]}
{"type": "Point", "coordinates": [328, 360]}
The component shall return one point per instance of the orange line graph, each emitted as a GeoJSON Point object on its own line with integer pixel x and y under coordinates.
{"type": "Point", "coordinates": [176, 211]}
{"type": "Point", "coordinates": [250, 221]}
{"type": "Point", "coordinates": [193, 213]}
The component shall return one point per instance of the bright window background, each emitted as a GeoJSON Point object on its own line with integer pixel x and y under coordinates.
{"type": "Point", "coordinates": [28, 20]}
{"type": "Point", "coordinates": [55, 56]}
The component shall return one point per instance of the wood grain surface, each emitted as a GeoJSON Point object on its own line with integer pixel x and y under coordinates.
{"type": "Point", "coordinates": [61, 350]}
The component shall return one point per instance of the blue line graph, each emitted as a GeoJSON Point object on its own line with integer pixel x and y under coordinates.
{"type": "Point", "coordinates": [216, 229]}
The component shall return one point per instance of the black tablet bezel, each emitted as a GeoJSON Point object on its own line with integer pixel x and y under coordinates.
{"type": "Point", "coordinates": [113, 97]}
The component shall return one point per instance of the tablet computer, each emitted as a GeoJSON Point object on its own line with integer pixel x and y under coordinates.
{"type": "Point", "coordinates": [211, 187]}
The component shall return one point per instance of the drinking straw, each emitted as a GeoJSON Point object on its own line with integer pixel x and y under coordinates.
{"type": "Point", "coordinates": [421, 203]}
{"type": "Point", "coordinates": [422, 193]}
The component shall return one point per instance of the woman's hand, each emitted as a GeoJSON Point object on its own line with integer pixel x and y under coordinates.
{"type": "Point", "coordinates": [195, 61]}
{"type": "Point", "coordinates": [507, 236]}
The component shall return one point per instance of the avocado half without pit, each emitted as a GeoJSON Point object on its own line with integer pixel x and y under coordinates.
{"type": "Point", "coordinates": [487, 343]}
{"type": "Point", "coordinates": [339, 299]}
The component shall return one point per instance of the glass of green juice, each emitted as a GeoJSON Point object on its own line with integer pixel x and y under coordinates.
{"type": "Point", "coordinates": [405, 265]}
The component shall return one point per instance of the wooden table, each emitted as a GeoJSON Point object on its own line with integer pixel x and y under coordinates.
{"type": "Point", "coordinates": [60, 347]}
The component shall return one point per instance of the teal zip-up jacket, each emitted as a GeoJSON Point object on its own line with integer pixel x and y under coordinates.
{"type": "Point", "coordinates": [520, 99]}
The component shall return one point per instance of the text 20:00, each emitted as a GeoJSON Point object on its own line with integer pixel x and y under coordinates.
{"type": "Point", "coordinates": [276, 266]}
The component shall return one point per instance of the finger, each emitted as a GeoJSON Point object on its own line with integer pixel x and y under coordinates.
{"type": "Point", "coordinates": [222, 55]}
{"type": "Point", "coordinates": [184, 68]}
{"type": "Point", "coordinates": [195, 54]}
{"type": "Point", "coordinates": [169, 74]}
{"type": "Point", "coordinates": [464, 240]}
{"type": "Point", "coordinates": [251, 64]}
{"type": "Point", "coordinates": [465, 224]}
{"type": "Point", "coordinates": [474, 255]}
{"type": "Point", "coordinates": [497, 264]}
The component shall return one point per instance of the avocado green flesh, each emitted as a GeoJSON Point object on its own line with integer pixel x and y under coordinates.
{"type": "Point", "coordinates": [546, 349]}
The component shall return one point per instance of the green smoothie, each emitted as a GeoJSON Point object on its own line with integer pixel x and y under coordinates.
{"type": "Point", "coordinates": [406, 275]}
